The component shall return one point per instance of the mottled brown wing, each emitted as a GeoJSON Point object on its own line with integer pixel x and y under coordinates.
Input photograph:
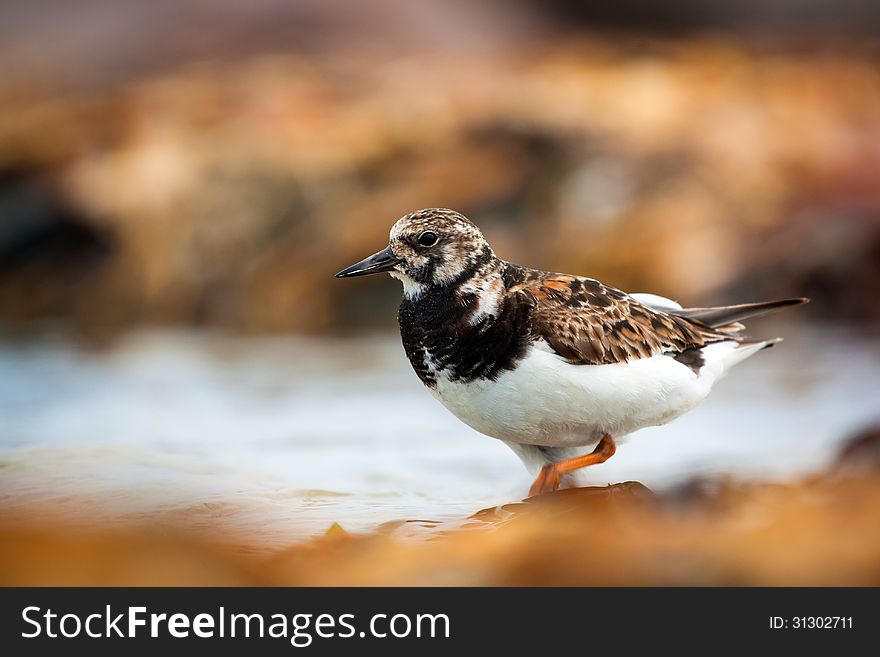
{"type": "Point", "coordinates": [587, 322]}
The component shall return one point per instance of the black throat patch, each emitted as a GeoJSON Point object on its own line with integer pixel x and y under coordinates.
{"type": "Point", "coordinates": [439, 333]}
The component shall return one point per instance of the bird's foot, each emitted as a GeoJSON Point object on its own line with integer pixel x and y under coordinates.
{"type": "Point", "coordinates": [551, 474]}
{"type": "Point", "coordinates": [547, 481]}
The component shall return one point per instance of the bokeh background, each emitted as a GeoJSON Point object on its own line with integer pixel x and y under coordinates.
{"type": "Point", "coordinates": [180, 180]}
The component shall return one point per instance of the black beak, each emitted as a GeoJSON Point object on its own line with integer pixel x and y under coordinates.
{"type": "Point", "coordinates": [376, 263]}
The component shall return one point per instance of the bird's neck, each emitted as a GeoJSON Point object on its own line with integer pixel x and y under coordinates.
{"type": "Point", "coordinates": [452, 307]}
{"type": "Point", "coordinates": [456, 330]}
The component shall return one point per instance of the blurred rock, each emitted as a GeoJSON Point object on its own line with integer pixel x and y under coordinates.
{"type": "Point", "coordinates": [830, 255]}
{"type": "Point", "coordinates": [227, 194]}
{"type": "Point", "coordinates": [50, 254]}
{"type": "Point", "coordinates": [33, 555]}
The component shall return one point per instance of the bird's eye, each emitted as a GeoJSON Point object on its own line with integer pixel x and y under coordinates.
{"type": "Point", "coordinates": [428, 238]}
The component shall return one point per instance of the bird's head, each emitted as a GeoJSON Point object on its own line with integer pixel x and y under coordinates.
{"type": "Point", "coordinates": [428, 248]}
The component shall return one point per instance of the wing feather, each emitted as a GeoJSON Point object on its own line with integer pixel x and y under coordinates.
{"type": "Point", "coordinates": [587, 322]}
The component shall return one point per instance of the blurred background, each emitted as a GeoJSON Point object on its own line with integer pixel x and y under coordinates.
{"type": "Point", "coordinates": [180, 180]}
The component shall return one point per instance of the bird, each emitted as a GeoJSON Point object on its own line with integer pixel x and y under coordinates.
{"type": "Point", "coordinates": [559, 367]}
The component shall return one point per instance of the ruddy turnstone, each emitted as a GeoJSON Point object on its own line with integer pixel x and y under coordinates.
{"type": "Point", "coordinates": [556, 366]}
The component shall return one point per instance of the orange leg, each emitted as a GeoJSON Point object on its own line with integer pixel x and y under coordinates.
{"type": "Point", "coordinates": [551, 474]}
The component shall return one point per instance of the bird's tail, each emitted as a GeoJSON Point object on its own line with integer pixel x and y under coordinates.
{"type": "Point", "coordinates": [723, 316]}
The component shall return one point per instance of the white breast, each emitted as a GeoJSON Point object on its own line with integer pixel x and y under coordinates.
{"type": "Point", "coordinates": [548, 401]}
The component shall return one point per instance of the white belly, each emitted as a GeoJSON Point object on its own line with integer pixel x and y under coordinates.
{"type": "Point", "coordinates": [547, 401]}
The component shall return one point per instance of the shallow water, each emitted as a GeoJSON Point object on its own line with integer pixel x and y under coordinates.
{"type": "Point", "coordinates": [276, 439]}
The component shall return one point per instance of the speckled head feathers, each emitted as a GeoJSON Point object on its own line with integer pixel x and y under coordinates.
{"type": "Point", "coordinates": [436, 246]}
